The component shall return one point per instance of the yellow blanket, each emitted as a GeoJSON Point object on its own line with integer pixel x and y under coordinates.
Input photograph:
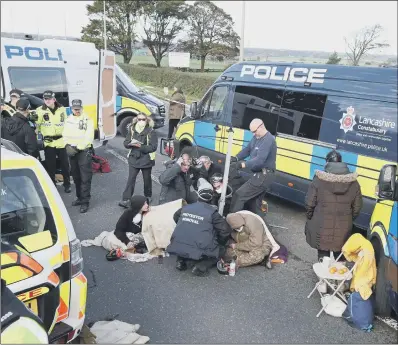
{"type": "Point", "coordinates": [359, 249]}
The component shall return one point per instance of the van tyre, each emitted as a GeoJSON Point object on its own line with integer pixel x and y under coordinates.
{"type": "Point", "coordinates": [124, 125]}
{"type": "Point", "coordinates": [382, 301]}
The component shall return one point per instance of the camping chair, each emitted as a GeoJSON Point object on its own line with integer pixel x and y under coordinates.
{"type": "Point", "coordinates": [324, 276]}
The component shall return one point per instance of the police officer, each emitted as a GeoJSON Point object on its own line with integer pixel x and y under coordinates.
{"type": "Point", "coordinates": [78, 136]}
{"type": "Point", "coordinates": [18, 130]}
{"type": "Point", "coordinates": [9, 108]}
{"type": "Point", "coordinates": [201, 233]}
{"type": "Point", "coordinates": [18, 324]}
{"type": "Point", "coordinates": [50, 123]}
{"type": "Point", "coordinates": [262, 163]}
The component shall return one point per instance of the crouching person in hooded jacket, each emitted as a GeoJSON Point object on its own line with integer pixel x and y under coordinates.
{"type": "Point", "coordinates": [201, 234]}
{"type": "Point", "coordinates": [251, 244]}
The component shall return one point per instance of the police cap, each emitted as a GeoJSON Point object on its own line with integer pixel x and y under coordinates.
{"type": "Point", "coordinates": [48, 94]}
{"type": "Point", "coordinates": [77, 104]}
{"type": "Point", "coordinates": [16, 93]}
{"type": "Point", "coordinates": [23, 104]}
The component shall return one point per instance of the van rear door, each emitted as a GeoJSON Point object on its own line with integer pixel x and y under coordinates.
{"type": "Point", "coordinates": [107, 96]}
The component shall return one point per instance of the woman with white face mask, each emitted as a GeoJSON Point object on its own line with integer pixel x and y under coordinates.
{"type": "Point", "coordinates": [216, 181]}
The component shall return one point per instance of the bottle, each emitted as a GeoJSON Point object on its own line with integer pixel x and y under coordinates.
{"type": "Point", "coordinates": [232, 268]}
{"type": "Point", "coordinates": [264, 206]}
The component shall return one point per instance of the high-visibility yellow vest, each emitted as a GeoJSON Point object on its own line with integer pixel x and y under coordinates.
{"type": "Point", "coordinates": [24, 331]}
{"type": "Point", "coordinates": [10, 110]}
{"type": "Point", "coordinates": [51, 125]}
{"type": "Point", "coordinates": [79, 131]}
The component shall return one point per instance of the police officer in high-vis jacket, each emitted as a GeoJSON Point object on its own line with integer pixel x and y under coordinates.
{"type": "Point", "coordinates": [9, 108]}
{"type": "Point", "coordinates": [78, 136]}
{"type": "Point", "coordinates": [18, 324]}
{"type": "Point", "coordinates": [50, 123]}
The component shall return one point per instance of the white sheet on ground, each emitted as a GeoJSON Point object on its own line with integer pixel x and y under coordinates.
{"type": "Point", "coordinates": [117, 332]}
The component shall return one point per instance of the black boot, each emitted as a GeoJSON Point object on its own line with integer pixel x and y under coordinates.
{"type": "Point", "coordinates": [197, 272]}
{"type": "Point", "coordinates": [124, 203]}
{"type": "Point", "coordinates": [67, 189]}
{"type": "Point", "coordinates": [83, 208]}
{"type": "Point", "coordinates": [76, 202]}
{"type": "Point", "coordinates": [181, 265]}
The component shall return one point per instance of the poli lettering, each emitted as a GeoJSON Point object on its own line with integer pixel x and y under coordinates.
{"type": "Point", "coordinates": [296, 74]}
{"type": "Point", "coordinates": [33, 53]}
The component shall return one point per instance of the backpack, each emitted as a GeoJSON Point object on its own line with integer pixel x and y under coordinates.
{"type": "Point", "coordinates": [100, 165]}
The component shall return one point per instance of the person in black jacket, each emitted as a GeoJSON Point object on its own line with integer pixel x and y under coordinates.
{"type": "Point", "coordinates": [217, 182]}
{"type": "Point", "coordinates": [18, 130]}
{"type": "Point", "coordinates": [206, 168]}
{"type": "Point", "coordinates": [201, 234]}
{"type": "Point", "coordinates": [131, 219]}
{"type": "Point", "coordinates": [142, 141]}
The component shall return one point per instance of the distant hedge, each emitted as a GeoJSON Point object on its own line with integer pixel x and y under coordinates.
{"type": "Point", "coordinates": [191, 83]}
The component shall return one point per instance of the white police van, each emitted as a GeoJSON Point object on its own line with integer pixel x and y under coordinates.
{"type": "Point", "coordinates": [73, 70]}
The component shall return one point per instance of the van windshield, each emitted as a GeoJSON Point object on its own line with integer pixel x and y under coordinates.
{"type": "Point", "coordinates": [125, 80]}
{"type": "Point", "coordinates": [24, 207]}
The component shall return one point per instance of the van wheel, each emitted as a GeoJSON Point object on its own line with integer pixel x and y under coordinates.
{"type": "Point", "coordinates": [124, 125]}
{"type": "Point", "coordinates": [382, 301]}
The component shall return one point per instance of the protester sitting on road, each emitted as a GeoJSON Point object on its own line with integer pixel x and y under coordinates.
{"type": "Point", "coordinates": [131, 219]}
{"type": "Point", "coordinates": [250, 243]}
{"type": "Point", "coordinates": [333, 201]}
{"type": "Point", "coordinates": [206, 168]}
{"type": "Point", "coordinates": [201, 233]}
{"type": "Point", "coordinates": [217, 182]}
{"type": "Point", "coordinates": [142, 141]}
{"type": "Point", "coordinates": [176, 181]}
{"type": "Point", "coordinates": [176, 109]}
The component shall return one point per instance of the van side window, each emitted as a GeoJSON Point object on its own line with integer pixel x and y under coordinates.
{"type": "Point", "coordinates": [35, 80]}
{"type": "Point", "coordinates": [301, 114]}
{"type": "Point", "coordinates": [256, 102]}
{"type": "Point", "coordinates": [213, 106]}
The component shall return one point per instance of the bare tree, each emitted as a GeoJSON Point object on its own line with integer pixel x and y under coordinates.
{"type": "Point", "coordinates": [363, 42]}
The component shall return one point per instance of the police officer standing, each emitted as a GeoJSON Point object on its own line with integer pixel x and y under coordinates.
{"type": "Point", "coordinates": [50, 123]}
{"type": "Point", "coordinates": [18, 130]}
{"type": "Point", "coordinates": [78, 136]}
{"type": "Point", "coordinates": [18, 324]}
{"type": "Point", "coordinates": [262, 163]}
{"type": "Point", "coordinates": [9, 108]}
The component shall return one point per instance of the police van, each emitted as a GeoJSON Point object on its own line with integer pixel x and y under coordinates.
{"type": "Point", "coordinates": [73, 70]}
{"type": "Point", "coordinates": [41, 257]}
{"type": "Point", "coordinates": [311, 109]}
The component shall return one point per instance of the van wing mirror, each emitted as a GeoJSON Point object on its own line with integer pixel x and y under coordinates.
{"type": "Point", "coordinates": [194, 109]}
{"type": "Point", "coordinates": [167, 147]}
{"type": "Point", "coordinates": [386, 185]}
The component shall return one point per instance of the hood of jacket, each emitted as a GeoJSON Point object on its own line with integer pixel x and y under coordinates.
{"type": "Point", "coordinates": [15, 123]}
{"type": "Point", "coordinates": [137, 201]}
{"type": "Point", "coordinates": [339, 176]}
{"type": "Point", "coordinates": [235, 220]}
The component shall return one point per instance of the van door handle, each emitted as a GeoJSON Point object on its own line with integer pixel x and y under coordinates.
{"type": "Point", "coordinates": [93, 62]}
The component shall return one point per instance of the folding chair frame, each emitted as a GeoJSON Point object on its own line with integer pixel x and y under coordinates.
{"type": "Point", "coordinates": [335, 291]}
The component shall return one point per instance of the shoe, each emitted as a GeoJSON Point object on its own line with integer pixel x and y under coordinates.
{"type": "Point", "coordinates": [197, 272]}
{"type": "Point", "coordinates": [124, 203]}
{"type": "Point", "coordinates": [181, 265]}
{"type": "Point", "coordinates": [76, 202]}
{"type": "Point", "coordinates": [83, 208]}
{"type": "Point", "coordinates": [68, 189]}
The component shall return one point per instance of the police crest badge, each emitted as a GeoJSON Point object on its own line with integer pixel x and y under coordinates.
{"type": "Point", "coordinates": [46, 117]}
{"type": "Point", "coordinates": [347, 122]}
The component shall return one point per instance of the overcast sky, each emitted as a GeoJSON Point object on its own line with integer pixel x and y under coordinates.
{"type": "Point", "coordinates": [297, 25]}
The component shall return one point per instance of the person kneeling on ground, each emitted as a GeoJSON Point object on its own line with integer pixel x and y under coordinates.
{"type": "Point", "coordinates": [251, 245]}
{"type": "Point", "coordinates": [131, 219]}
{"type": "Point", "coordinates": [217, 182]}
{"type": "Point", "coordinates": [201, 233]}
{"type": "Point", "coordinates": [176, 181]}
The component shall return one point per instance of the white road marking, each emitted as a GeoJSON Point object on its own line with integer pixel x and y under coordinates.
{"type": "Point", "coordinates": [124, 160]}
{"type": "Point", "coordinates": [389, 322]}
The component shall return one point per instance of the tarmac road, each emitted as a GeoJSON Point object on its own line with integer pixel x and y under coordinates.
{"type": "Point", "coordinates": [256, 306]}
